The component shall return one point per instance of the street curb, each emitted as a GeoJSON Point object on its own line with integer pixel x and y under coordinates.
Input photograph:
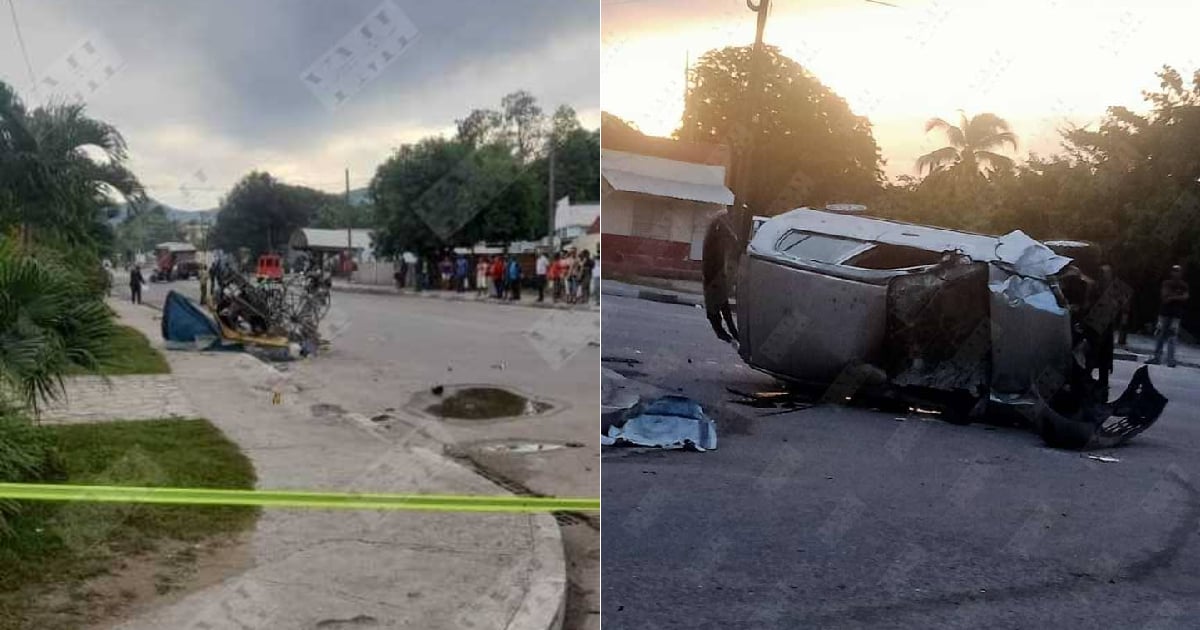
{"type": "Point", "coordinates": [1141, 358]}
{"type": "Point", "coordinates": [545, 603]}
{"type": "Point", "coordinates": [432, 295]}
{"type": "Point", "coordinates": [684, 299]}
{"type": "Point", "coordinates": [543, 606]}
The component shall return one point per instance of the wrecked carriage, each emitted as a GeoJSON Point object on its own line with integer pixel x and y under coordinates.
{"type": "Point", "coordinates": [974, 325]}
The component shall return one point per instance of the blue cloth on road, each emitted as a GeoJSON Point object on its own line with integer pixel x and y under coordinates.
{"type": "Point", "coordinates": [670, 422]}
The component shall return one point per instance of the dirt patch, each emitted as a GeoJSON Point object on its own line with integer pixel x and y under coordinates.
{"type": "Point", "coordinates": [141, 583]}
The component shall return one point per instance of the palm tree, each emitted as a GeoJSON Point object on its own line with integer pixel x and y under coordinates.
{"type": "Point", "coordinates": [48, 180]}
{"type": "Point", "coordinates": [971, 145]}
{"type": "Point", "coordinates": [50, 324]}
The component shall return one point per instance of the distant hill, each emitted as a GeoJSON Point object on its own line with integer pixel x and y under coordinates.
{"type": "Point", "coordinates": [174, 214]}
{"type": "Point", "coordinates": [358, 197]}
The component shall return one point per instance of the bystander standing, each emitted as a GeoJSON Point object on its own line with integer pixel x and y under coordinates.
{"type": "Point", "coordinates": [1174, 296]}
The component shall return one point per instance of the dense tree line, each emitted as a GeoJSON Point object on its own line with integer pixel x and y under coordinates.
{"type": "Point", "coordinates": [489, 182]}
{"type": "Point", "coordinates": [1130, 184]}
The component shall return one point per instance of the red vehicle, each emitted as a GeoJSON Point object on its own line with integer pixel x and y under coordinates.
{"type": "Point", "coordinates": [174, 261]}
{"type": "Point", "coordinates": [270, 267]}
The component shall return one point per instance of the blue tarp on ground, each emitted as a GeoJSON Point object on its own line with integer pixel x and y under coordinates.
{"type": "Point", "coordinates": [186, 325]}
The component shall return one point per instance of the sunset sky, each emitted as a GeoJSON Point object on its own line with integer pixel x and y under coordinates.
{"type": "Point", "coordinates": [1039, 64]}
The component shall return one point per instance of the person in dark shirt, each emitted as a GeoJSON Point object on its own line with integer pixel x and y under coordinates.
{"type": "Point", "coordinates": [1174, 296]}
{"type": "Point", "coordinates": [720, 251]}
{"type": "Point", "coordinates": [136, 281]}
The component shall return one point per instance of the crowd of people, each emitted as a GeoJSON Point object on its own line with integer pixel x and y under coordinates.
{"type": "Point", "coordinates": [569, 276]}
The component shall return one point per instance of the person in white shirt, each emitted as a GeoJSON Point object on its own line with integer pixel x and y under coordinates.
{"type": "Point", "coordinates": [596, 279]}
{"type": "Point", "coordinates": [543, 264]}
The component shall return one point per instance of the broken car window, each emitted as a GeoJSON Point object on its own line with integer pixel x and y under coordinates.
{"type": "Point", "coordinates": [884, 256]}
{"type": "Point", "coordinates": [817, 247]}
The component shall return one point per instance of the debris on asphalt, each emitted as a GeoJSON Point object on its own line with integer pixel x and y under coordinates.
{"type": "Point", "coordinates": [669, 422]}
{"type": "Point", "coordinates": [782, 401]}
{"type": "Point", "coordinates": [438, 389]}
{"type": "Point", "coordinates": [1104, 458]}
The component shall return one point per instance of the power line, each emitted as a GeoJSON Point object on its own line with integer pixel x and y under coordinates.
{"type": "Point", "coordinates": [24, 53]}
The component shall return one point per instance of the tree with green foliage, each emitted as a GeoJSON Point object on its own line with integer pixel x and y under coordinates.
{"type": "Point", "coordinates": [1130, 184]}
{"type": "Point", "coordinates": [260, 213]}
{"type": "Point", "coordinates": [524, 116]}
{"type": "Point", "coordinates": [335, 214]}
{"type": "Point", "coordinates": [445, 192]}
{"type": "Point", "coordinates": [576, 161]}
{"type": "Point", "coordinates": [810, 148]}
{"type": "Point", "coordinates": [49, 185]}
{"type": "Point", "coordinates": [142, 231]}
{"type": "Point", "coordinates": [972, 144]}
{"type": "Point", "coordinates": [51, 322]}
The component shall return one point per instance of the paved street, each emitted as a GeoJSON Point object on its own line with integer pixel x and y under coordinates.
{"type": "Point", "coordinates": [388, 352]}
{"type": "Point", "coordinates": [846, 518]}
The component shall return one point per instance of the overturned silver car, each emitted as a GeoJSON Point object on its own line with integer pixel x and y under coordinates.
{"type": "Point", "coordinates": [974, 325]}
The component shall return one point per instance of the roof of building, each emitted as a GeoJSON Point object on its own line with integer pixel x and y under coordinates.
{"type": "Point", "coordinates": [567, 214]}
{"type": "Point", "coordinates": [313, 238]}
{"type": "Point", "coordinates": [651, 175]}
{"type": "Point", "coordinates": [668, 148]}
{"type": "Point", "coordinates": [175, 246]}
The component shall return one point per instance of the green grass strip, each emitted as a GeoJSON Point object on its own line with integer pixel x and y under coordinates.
{"type": "Point", "coordinates": [296, 499]}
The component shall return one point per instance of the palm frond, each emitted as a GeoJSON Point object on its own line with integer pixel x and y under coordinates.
{"type": "Point", "coordinates": [954, 134]}
{"type": "Point", "coordinates": [983, 125]}
{"type": "Point", "coordinates": [997, 140]}
{"type": "Point", "coordinates": [994, 161]}
{"type": "Point", "coordinates": [936, 159]}
{"type": "Point", "coordinates": [49, 322]}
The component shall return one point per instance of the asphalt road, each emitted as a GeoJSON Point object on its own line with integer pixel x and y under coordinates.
{"type": "Point", "coordinates": [836, 517]}
{"type": "Point", "coordinates": [388, 352]}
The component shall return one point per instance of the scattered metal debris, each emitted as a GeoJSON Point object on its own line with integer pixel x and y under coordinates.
{"type": "Point", "coordinates": [1104, 458]}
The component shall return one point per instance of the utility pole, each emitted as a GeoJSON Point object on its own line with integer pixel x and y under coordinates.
{"type": "Point", "coordinates": [349, 220]}
{"type": "Point", "coordinates": [553, 202]}
{"type": "Point", "coordinates": [741, 213]}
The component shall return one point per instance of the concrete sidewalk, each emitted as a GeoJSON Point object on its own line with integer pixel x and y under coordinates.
{"type": "Point", "coordinates": [98, 398]}
{"type": "Point", "coordinates": [341, 569]}
{"type": "Point", "coordinates": [528, 298]}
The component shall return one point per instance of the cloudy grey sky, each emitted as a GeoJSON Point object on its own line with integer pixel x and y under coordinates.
{"type": "Point", "coordinates": [205, 91]}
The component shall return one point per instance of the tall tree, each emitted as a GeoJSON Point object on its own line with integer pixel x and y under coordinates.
{"type": "Point", "coordinates": [481, 126]}
{"type": "Point", "coordinates": [441, 192]}
{"type": "Point", "coordinates": [141, 231]}
{"type": "Point", "coordinates": [811, 148]}
{"type": "Point", "coordinates": [260, 213]}
{"type": "Point", "coordinates": [48, 182]}
{"type": "Point", "coordinates": [524, 115]}
{"type": "Point", "coordinates": [972, 144]}
{"type": "Point", "coordinates": [577, 158]}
